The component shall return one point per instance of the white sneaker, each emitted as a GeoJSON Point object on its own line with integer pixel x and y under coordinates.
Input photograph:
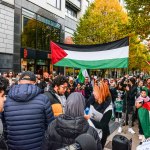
{"type": "Point", "coordinates": [140, 137]}
{"type": "Point", "coordinates": [116, 120]}
{"type": "Point", "coordinates": [143, 138]}
{"type": "Point", "coordinates": [131, 131]}
{"type": "Point", "coordinates": [119, 130]}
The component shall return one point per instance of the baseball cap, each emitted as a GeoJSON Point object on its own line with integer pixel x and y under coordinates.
{"type": "Point", "coordinates": [28, 75]}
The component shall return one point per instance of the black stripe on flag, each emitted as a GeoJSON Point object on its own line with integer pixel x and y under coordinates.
{"type": "Point", "coordinates": [96, 47]}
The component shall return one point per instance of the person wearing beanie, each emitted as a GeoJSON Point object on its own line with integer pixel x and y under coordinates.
{"type": "Point", "coordinates": [27, 114]}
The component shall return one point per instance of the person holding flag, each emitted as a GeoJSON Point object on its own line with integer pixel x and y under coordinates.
{"type": "Point", "coordinates": [143, 105]}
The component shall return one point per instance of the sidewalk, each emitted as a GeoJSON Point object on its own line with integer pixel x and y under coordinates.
{"type": "Point", "coordinates": [114, 126]}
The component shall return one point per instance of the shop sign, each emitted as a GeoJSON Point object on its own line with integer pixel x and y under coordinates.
{"type": "Point", "coordinates": [25, 53]}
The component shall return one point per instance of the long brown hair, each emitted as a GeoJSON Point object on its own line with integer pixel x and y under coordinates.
{"type": "Point", "coordinates": [102, 92]}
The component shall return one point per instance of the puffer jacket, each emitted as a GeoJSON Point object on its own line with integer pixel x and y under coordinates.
{"type": "Point", "coordinates": [27, 114]}
{"type": "Point", "coordinates": [63, 131]}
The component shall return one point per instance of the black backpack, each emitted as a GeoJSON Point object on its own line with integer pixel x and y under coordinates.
{"type": "Point", "coordinates": [120, 142]}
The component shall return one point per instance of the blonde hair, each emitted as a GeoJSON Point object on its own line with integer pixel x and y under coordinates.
{"type": "Point", "coordinates": [102, 92]}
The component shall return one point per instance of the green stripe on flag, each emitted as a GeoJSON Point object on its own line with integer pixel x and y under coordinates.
{"type": "Point", "coordinates": [95, 64]}
{"type": "Point", "coordinates": [144, 116]}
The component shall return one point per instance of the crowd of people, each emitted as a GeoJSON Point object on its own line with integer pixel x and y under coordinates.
{"type": "Point", "coordinates": [49, 112]}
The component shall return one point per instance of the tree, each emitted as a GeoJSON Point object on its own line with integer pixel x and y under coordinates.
{"type": "Point", "coordinates": [139, 12]}
{"type": "Point", "coordinates": [138, 56]}
{"type": "Point", "coordinates": [104, 21]}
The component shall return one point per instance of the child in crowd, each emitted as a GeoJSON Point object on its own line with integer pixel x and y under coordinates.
{"type": "Point", "coordinates": [119, 102]}
{"type": "Point", "coordinates": [143, 98]}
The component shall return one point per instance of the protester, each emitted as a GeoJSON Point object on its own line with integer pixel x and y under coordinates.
{"type": "Point", "coordinates": [71, 84]}
{"type": "Point", "coordinates": [27, 114]}
{"type": "Point", "coordinates": [88, 89]}
{"type": "Point", "coordinates": [80, 89]}
{"type": "Point", "coordinates": [148, 86]}
{"type": "Point", "coordinates": [67, 127]}
{"type": "Point", "coordinates": [45, 83]}
{"type": "Point", "coordinates": [100, 104]}
{"type": "Point", "coordinates": [143, 98]}
{"type": "Point", "coordinates": [140, 86]}
{"type": "Point", "coordinates": [119, 102]}
{"type": "Point", "coordinates": [10, 78]}
{"type": "Point", "coordinates": [128, 104]}
{"type": "Point", "coordinates": [113, 91]}
{"type": "Point", "coordinates": [3, 87]}
{"type": "Point", "coordinates": [56, 94]}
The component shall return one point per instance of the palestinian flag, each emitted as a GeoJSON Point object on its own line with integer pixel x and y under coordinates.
{"type": "Point", "coordinates": [109, 55]}
{"type": "Point", "coordinates": [144, 116]}
{"type": "Point", "coordinates": [82, 75]}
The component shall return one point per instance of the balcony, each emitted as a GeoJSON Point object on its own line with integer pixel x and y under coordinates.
{"type": "Point", "coordinates": [75, 3]}
{"type": "Point", "coordinates": [8, 1]}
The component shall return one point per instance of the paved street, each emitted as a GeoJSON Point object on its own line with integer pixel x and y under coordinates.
{"type": "Point", "coordinates": [114, 127]}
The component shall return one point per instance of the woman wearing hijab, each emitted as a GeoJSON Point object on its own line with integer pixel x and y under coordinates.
{"type": "Point", "coordinates": [100, 104]}
{"type": "Point", "coordinates": [67, 127]}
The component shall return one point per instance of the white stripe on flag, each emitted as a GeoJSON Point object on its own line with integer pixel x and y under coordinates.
{"type": "Point", "coordinates": [122, 52]}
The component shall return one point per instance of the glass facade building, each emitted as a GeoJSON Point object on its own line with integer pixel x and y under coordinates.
{"type": "Point", "coordinates": [36, 33]}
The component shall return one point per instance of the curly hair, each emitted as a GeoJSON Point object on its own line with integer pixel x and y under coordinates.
{"type": "Point", "coordinates": [59, 80]}
{"type": "Point", "coordinates": [3, 83]}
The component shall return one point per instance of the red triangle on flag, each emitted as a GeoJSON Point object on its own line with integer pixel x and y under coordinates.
{"type": "Point", "coordinates": [57, 53]}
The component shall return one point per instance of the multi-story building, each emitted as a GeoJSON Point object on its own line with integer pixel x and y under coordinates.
{"type": "Point", "coordinates": [27, 26]}
{"type": "Point", "coordinates": [6, 34]}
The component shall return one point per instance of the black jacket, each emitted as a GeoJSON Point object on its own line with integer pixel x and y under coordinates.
{"type": "Point", "coordinates": [63, 131]}
{"type": "Point", "coordinates": [55, 102]}
{"type": "Point", "coordinates": [88, 89]}
{"type": "Point", "coordinates": [52, 97]}
{"type": "Point", "coordinates": [104, 122]}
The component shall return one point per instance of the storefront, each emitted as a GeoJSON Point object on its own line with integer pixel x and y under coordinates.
{"type": "Point", "coordinates": [36, 61]}
{"type": "Point", "coordinates": [37, 32]}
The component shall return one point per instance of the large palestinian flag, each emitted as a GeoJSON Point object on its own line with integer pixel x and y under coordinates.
{"type": "Point", "coordinates": [144, 116]}
{"type": "Point", "coordinates": [109, 55]}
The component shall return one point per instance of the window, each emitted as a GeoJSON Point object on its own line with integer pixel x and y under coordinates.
{"type": "Point", "coordinates": [55, 3]}
{"type": "Point", "coordinates": [71, 12]}
{"type": "Point", "coordinates": [28, 36]}
{"type": "Point", "coordinates": [38, 31]}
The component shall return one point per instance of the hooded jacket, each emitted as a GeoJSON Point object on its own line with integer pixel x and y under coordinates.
{"type": "Point", "coordinates": [27, 114]}
{"type": "Point", "coordinates": [67, 127]}
{"type": "Point", "coordinates": [63, 131]}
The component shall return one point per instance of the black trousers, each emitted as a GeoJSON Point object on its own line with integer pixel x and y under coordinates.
{"type": "Point", "coordinates": [104, 125]}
